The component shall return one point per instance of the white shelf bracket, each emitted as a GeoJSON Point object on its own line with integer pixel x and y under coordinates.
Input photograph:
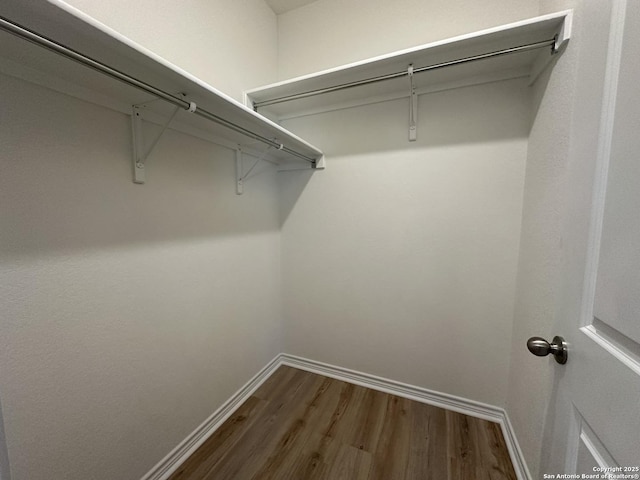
{"type": "Point", "coordinates": [140, 155]}
{"type": "Point", "coordinates": [239, 168]}
{"type": "Point", "coordinates": [139, 175]}
{"type": "Point", "coordinates": [241, 177]}
{"type": "Point", "coordinates": [413, 107]}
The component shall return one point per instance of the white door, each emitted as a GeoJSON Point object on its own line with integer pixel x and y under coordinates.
{"type": "Point", "coordinates": [596, 404]}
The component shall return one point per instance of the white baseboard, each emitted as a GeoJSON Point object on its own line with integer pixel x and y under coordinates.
{"type": "Point", "coordinates": [517, 457]}
{"type": "Point", "coordinates": [169, 464]}
{"type": "Point", "coordinates": [423, 395]}
{"type": "Point", "coordinates": [450, 402]}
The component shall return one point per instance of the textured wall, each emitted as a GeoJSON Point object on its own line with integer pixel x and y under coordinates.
{"type": "Point", "coordinates": [328, 33]}
{"type": "Point", "coordinates": [400, 259]}
{"type": "Point", "coordinates": [131, 312]}
{"type": "Point", "coordinates": [555, 230]}
{"type": "Point", "coordinates": [230, 44]}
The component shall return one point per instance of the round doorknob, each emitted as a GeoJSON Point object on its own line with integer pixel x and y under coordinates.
{"type": "Point", "coordinates": [541, 348]}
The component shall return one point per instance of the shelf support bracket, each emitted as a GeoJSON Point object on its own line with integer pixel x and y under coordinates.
{"type": "Point", "coordinates": [140, 155]}
{"type": "Point", "coordinates": [239, 178]}
{"type": "Point", "coordinates": [240, 175]}
{"type": "Point", "coordinates": [139, 174]}
{"type": "Point", "coordinates": [413, 106]}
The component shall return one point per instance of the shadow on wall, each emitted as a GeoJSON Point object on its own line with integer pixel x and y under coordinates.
{"type": "Point", "coordinates": [66, 180]}
{"type": "Point", "coordinates": [291, 184]}
{"type": "Point", "coordinates": [378, 135]}
{"type": "Point", "coordinates": [541, 84]}
{"type": "Point", "coordinates": [477, 114]}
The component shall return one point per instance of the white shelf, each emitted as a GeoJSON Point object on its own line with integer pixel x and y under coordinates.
{"type": "Point", "coordinates": [64, 24]}
{"type": "Point", "coordinates": [521, 64]}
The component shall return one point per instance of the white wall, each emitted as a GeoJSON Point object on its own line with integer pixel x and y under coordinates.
{"type": "Point", "coordinates": [540, 257]}
{"type": "Point", "coordinates": [230, 44]}
{"type": "Point", "coordinates": [555, 229]}
{"type": "Point", "coordinates": [328, 33]}
{"type": "Point", "coordinates": [129, 312]}
{"type": "Point", "coordinates": [400, 259]}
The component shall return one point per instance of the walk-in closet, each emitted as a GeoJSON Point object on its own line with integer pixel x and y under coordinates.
{"type": "Point", "coordinates": [319, 239]}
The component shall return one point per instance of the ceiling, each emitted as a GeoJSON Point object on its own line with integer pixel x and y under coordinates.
{"type": "Point", "coordinates": [282, 6]}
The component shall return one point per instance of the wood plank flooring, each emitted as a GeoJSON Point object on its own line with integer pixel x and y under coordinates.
{"type": "Point", "coordinates": [302, 426]}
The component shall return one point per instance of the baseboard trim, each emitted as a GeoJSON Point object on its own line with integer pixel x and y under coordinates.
{"type": "Point", "coordinates": [423, 395]}
{"type": "Point", "coordinates": [169, 464]}
{"type": "Point", "coordinates": [451, 402]}
{"type": "Point", "coordinates": [517, 457]}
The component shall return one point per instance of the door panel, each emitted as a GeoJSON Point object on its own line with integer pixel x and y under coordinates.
{"type": "Point", "coordinates": [592, 457]}
{"type": "Point", "coordinates": [601, 382]}
{"type": "Point", "coordinates": [586, 462]}
{"type": "Point", "coordinates": [617, 299]}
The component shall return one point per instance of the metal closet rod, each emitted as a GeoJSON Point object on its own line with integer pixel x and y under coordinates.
{"type": "Point", "coordinates": [404, 73]}
{"type": "Point", "coordinates": [67, 52]}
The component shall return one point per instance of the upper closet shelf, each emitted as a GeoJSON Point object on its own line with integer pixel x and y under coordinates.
{"type": "Point", "coordinates": [56, 45]}
{"type": "Point", "coordinates": [515, 50]}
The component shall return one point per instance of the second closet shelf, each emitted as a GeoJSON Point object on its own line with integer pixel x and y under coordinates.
{"type": "Point", "coordinates": [514, 50]}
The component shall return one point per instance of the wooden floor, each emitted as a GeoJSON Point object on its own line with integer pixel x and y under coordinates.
{"type": "Point", "coordinates": [302, 426]}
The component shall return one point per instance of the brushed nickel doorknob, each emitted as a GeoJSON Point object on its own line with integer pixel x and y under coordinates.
{"type": "Point", "coordinates": [541, 348]}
